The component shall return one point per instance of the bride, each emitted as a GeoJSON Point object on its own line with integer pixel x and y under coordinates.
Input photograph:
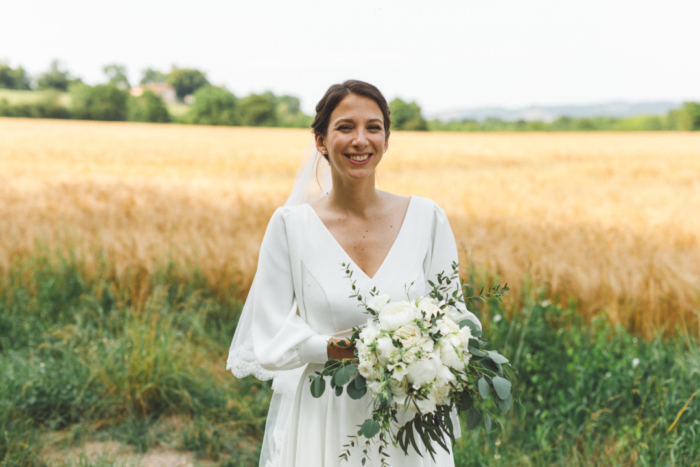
{"type": "Point", "coordinates": [299, 304]}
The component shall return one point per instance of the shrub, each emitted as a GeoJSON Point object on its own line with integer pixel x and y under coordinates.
{"type": "Point", "coordinates": [257, 110]}
{"type": "Point", "coordinates": [102, 102]}
{"type": "Point", "coordinates": [49, 107]}
{"type": "Point", "coordinates": [407, 116]}
{"type": "Point", "coordinates": [213, 106]}
{"type": "Point", "coordinates": [186, 81]}
{"type": "Point", "coordinates": [148, 107]}
{"type": "Point", "coordinates": [13, 79]}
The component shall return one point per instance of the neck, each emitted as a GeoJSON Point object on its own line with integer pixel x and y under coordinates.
{"type": "Point", "coordinates": [354, 197]}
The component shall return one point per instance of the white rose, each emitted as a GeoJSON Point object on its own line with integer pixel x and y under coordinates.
{"type": "Point", "coordinates": [409, 334]}
{"type": "Point", "coordinates": [410, 356]}
{"type": "Point", "coordinates": [386, 350]}
{"type": "Point", "coordinates": [395, 315]}
{"type": "Point", "coordinates": [449, 353]}
{"type": "Point", "coordinates": [368, 370]}
{"type": "Point", "coordinates": [374, 386]}
{"type": "Point", "coordinates": [378, 302]}
{"type": "Point", "coordinates": [399, 390]}
{"type": "Point", "coordinates": [423, 372]}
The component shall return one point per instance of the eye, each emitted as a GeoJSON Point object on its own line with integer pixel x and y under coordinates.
{"type": "Point", "coordinates": [344, 127]}
{"type": "Point", "coordinates": [375, 127]}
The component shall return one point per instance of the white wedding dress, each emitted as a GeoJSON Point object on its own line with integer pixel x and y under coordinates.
{"type": "Point", "coordinates": [301, 299]}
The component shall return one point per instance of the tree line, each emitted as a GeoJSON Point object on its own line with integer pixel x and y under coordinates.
{"type": "Point", "coordinates": [215, 105]}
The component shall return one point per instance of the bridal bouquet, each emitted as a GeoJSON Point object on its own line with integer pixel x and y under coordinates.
{"type": "Point", "coordinates": [421, 357]}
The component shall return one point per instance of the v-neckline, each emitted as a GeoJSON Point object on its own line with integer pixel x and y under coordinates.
{"type": "Point", "coordinates": [388, 254]}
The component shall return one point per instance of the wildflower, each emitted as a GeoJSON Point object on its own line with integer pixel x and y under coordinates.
{"type": "Point", "coordinates": [635, 362]}
{"type": "Point", "coordinates": [497, 318]}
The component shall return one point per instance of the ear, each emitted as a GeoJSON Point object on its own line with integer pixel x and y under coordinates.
{"type": "Point", "coordinates": [320, 143]}
{"type": "Point", "coordinates": [386, 145]}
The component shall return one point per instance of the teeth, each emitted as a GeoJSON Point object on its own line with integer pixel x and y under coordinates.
{"type": "Point", "coordinates": [360, 158]}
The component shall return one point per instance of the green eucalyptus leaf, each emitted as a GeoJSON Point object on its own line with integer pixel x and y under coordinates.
{"type": "Point", "coordinates": [502, 387]}
{"type": "Point", "coordinates": [487, 423]}
{"type": "Point", "coordinates": [360, 382]}
{"type": "Point", "coordinates": [369, 428]}
{"type": "Point", "coordinates": [476, 352]}
{"type": "Point", "coordinates": [342, 376]}
{"type": "Point", "coordinates": [338, 390]}
{"type": "Point", "coordinates": [483, 387]}
{"type": "Point", "coordinates": [496, 357]}
{"type": "Point", "coordinates": [504, 405]}
{"type": "Point", "coordinates": [473, 419]}
{"type": "Point", "coordinates": [318, 386]}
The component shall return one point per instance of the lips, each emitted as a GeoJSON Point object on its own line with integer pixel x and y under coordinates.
{"type": "Point", "coordinates": [358, 159]}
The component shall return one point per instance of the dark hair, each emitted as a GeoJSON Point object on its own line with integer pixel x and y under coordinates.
{"type": "Point", "coordinates": [337, 93]}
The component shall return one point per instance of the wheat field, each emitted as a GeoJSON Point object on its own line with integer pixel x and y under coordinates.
{"type": "Point", "coordinates": [608, 219]}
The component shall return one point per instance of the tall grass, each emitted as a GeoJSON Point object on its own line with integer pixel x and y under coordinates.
{"type": "Point", "coordinates": [104, 355]}
{"type": "Point", "coordinates": [609, 218]}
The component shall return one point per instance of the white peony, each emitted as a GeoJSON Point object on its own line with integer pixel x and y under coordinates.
{"type": "Point", "coordinates": [447, 326]}
{"type": "Point", "coordinates": [395, 315]}
{"type": "Point", "coordinates": [427, 405]}
{"type": "Point", "coordinates": [429, 306]}
{"type": "Point", "coordinates": [378, 302]}
{"type": "Point", "coordinates": [444, 377]}
{"type": "Point", "coordinates": [423, 372]}
{"type": "Point", "coordinates": [450, 354]}
{"type": "Point", "coordinates": [441, 393]}
{"type": "Point", "coordinates": [370, 332]}
{"type": "Point", "coordinates": [386, 350]}
{"type": "Point", "coordinates": [464, 335]}
{"type": "Point", "coordinates": [409, 334]}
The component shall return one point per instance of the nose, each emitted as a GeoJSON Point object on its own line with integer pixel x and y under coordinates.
{"type": "Point", "coordinates": [360, 138]}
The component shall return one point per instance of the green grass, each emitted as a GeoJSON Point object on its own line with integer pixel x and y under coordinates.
{"type": "Point", "coordinates": [15, 97]}
{"type": "Point", "coordinates": [107, 357]}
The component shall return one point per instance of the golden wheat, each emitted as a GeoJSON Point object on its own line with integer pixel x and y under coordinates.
{"type": "Point", "coordinates": [609, 219]}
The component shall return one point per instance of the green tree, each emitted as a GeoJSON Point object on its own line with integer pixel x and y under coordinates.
{"type": "Point", "coordinates": [687, 118]}
{"type": "Point", "coordinates": [153, 76]}
{"type": "Point", "coordinates": [117, 75]}
{"type": "Point", "coordinates": [289, 114]}
{"type": "Point", "coordinates": [148, 107]}
{"type": "Point", "coordinates": [102, 102]}
{"type": "Point", "coordinates": [407, 116]}
{"type": "Point", "coordinates": [186, 81]}
{"type": "Point", "coordinates": [213, 106]}
{"type": "Point", "coordinates": [13, 78]}
{"type": "Point", "coordinates": [55, 78]}
{"type": "Point", "coordinates": [257, 110]}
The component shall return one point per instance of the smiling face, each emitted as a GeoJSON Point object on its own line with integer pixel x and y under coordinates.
{"type": "Point", "coordinates": [355, 140]}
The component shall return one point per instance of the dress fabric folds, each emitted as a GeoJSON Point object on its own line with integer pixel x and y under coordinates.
{"type": "Point", "coordinates": [302, 300]}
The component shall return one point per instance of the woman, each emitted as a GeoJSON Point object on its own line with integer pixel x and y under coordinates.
{"type": "Point", "coordinates": [299, 307]}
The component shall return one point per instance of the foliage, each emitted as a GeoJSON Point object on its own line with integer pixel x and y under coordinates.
{"type": "Point", "coordinates": [406, 116]}
{"type": "Point", "coordinates": [48, 107]}
{"type": "Point", "coordinates": [101, 102]}
{"type": "Point", "coordinates": [148, 107]}
{"type": "Point", "coordinates": [117, 76]}
{"type": "Point", "coordinates": [110, 355]}
{"type": "Point", "coordinates": [684, 119]}
{"type": "Point", "coordinates": [55, 78]}
{"type": "Point", "coordinates": [257, 110]}
{"type": "Point", "coordinates": [153, 76]}
{"type": "Point", "coordinates": [186, 81]}
{"type": "Point", "coordinates": [213, 106]}
{"type": "Point", "coordinates": [13, 78]}
{"type": "Point", "coordinates": [289, 114]}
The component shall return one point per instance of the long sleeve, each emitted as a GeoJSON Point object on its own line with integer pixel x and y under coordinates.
{"type": "Point", "coordinates": [443, 253]}
{"type": "Point", "coordinates": [282, 340]}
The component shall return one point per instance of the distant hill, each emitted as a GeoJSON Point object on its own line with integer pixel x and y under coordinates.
{"type": "Point", "coordinates": [551, 113]}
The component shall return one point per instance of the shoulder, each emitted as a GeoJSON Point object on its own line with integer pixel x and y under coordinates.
{"type": "Point", "coordinates": [428, 207]}
{"type": "Point", "coordinates": [286, 217]}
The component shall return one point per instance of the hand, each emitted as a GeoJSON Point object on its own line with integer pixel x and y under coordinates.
{"type": "Point", "coordinates": [337, 349]}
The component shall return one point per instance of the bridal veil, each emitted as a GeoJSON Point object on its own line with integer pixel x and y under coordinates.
{"type": "Point", "coordinates": [313, 181]}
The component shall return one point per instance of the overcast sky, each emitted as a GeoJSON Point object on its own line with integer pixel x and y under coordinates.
{"type": "Point", "coordinates": [443, 54]}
